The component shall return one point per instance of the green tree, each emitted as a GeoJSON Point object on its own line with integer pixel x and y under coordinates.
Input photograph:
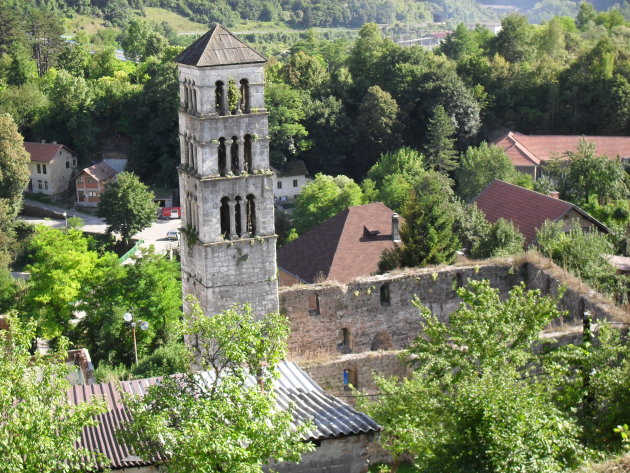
{"type": "Point", "coordinates": [587, 14]}
{"type": "Point", "coordinates": [584, 175]}
{"type": "Point", "coordinates": [44, 30]}
{"type": "Point", "coordinates": [503, 239]}
{"type": "Point", "coordinates": [63, 270]}
{"type": "Point", "coordinates": [459, 43]}
{"type": "Point", "coordinates": [378, 112]}
{"type": "Point", "coordinates": [393, 176]}
{"type": "Point", "coordinates": [469, 404]}
{"type": "Point", "coordinates": [440, 146]}
{"type": "Point", "coordinates": [221, 421]}
{"type": "Point", "coordinates": [322, 198]}
{"type": "Point", "coordinates": [40, 428]}
{"type": "Point", "coordinates": [127, 206]}
{"type": "Point", "coordinates": [14, 168]}
{"type": "Point", "coordinates": [514, 41]}
{"type": "Point", "coordinates": [473, 230]}
{"type": "Point", "coordinates": [305, 72]}
{"type": "Point", "coordinates": [481, 165]}
{"type": "Point", "coordinates": [428, 232]}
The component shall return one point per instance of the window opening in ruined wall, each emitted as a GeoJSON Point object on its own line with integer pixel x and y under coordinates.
{"type": "Point", "coordinates": [237, 216]}
{"type": "Point", "coordinates": [247, 154]}
{"type": "Point", "coordinates": [313, 304]}
{"type": "Point", "coordinates": [385, 297]}
{"type": "Point", "coordinates": [349, 379]}
{"type": "Point", "coordinates": [344, 345]}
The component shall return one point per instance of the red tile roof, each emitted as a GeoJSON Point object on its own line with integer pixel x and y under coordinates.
{"type": "Point", "coordinates": [529, 150]}
{"type": "Point", "coordinates": [100, 171]}
{"type": "Point", "coordinates": [340, 248]}
{"type": "Point", "coordinates": [526, 209]}
{"type": "Point", "coordinates": [44, 152]}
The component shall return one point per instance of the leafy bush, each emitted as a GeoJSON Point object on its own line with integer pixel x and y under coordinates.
{"type": "Point", "coordinates": [169, 359]}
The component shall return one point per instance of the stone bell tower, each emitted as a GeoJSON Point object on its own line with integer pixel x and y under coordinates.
{"type": "Point", "coordinates": [228, 247]}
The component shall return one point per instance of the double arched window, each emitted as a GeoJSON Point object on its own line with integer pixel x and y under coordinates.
{"type": "Point", "coordinates": [231, 98]}
{"type": "Point", "coordinates": [235, 156]}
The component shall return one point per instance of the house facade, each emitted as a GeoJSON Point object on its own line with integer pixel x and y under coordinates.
{"type": "Point", "coordinates": [51, 168]}
{"type": "Point", "coordinates": [528, 153]}
{"type": "Point", "coordinates": [90, 184]}
{"type": "Point", "coordinates": [289, 180]}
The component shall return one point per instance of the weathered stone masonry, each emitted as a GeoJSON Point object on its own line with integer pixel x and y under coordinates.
{"type": "Point", "coordinates": [372, 316]}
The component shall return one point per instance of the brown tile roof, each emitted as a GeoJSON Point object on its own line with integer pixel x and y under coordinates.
{"type": "Point", "coordinates": [528, 150]}
{"type": "Point", "coordinates": [100, 171]}
{"type": "Point", "coordinates": [526, 209]}
{"type": "Point", "coordinates": [44, 152]}
{"type": "Point", "coordinates": [218, 47]}
{"type": "Point", "coordinates": [340, 248]}
{"type": "Point", "coordinates": [331, 417]}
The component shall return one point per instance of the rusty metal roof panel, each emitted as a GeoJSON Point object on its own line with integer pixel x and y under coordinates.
{"type": "Point", "coordinates": [218, 47]}
{"type": "Point", "coordinates": [330, 417]}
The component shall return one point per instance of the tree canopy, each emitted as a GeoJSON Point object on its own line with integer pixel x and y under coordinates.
{"type": "Point", "coordinates": [221, 421]}
{"type": "Point", "coordinates": [40, 428]}
{"type": "Point", "coordinates": [127, 205]}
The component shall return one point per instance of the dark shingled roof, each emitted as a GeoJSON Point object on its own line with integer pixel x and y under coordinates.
{"type": "Point", "coordinates": [526, 209]}
{"type": "Point", "coordinates": [218, 47]}
{"type": "Point", "coordinates": [331, 417]}
{"type": "Point", "coordinates": [343, 247]}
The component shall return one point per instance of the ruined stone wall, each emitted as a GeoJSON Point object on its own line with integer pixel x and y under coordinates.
{"type": "Point", "coordinates": [377, 313]}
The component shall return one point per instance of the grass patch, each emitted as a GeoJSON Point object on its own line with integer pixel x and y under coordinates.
{"type": "Point", "coordinates": [86, 24]}
{"type": "Point", "coordinates": [402, 468]}
{"type": "Point", "coordinates": [176, 21]}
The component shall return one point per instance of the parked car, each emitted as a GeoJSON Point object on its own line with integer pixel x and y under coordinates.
{"type": "Point", "coordinates": [170, 212]}
{"type": "Point", "coordinates": [172, 235]}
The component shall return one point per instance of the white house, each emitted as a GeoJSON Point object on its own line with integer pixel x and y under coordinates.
{"type": "Point", "coordinates": [289, 180]}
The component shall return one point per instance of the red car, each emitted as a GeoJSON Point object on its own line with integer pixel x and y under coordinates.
{"type": "Point", "coordinates": [170, 212]}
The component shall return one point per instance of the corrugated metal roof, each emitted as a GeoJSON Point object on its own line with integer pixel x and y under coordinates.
{"type": "Point", "coordinates": [218, 47]}
{"type": "Point", "coordinates": [330, 416]}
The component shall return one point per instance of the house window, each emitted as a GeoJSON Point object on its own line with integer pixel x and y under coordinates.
{"type": "Point", "coordinates": [39, 169]}
{"type": "Point", "coordinates": [74, 162]}
{"type": "Point", "coordinates": [92, 194]}
{"type": "Point", "coordinates": [45, 185]}
{"type": "Point", "coordinates": [279, 185]}
{"type": "Point", "coordinates": [39, 184]}
{"type": "Point", "coordinates": [294, 182]}
{"type": "Point", "coordinates": [90, 180]}
{"type": "Point", "coordinates": [43, 169]}
{"type": "Point", "coordinates": [67, 164]}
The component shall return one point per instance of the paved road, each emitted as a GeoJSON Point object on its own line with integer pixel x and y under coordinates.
{"type": "Point", "coordinates": [154, 235]}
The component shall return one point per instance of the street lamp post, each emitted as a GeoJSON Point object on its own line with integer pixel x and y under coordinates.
{"type": "Point", "coordinates": [65, 216]}
{"type": "Point", "coordinates": [128, 318]}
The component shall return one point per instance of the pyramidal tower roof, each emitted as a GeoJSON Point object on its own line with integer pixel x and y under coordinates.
{"type": "Point", "coordinates": [218, 47]}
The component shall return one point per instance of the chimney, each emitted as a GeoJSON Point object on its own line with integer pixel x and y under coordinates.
{"type": "Point", "coordinates": [555, 194]}
{"type": "Point", "coordinates": [54, 142]}
{"type": "Point", "coordinates": [395, 233]}
{"type": "Point", "coordinates": [43, 141]}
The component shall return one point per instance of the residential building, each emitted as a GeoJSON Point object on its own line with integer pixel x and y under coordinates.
{"type": "Point", "coordinates": [52, 166]}
{"type": "Point", "coordinates": [528, 210]}
{"type": "Point", "coordinates": [90, 184]}
{"type": "Point", "coordinates": [342, 248]}
{"type": "Point", "coordinates": [289, 180]}
{"type": "Point", "coordinates": [529, 152]}
{"type": "Point", "coordinates": [341, 433]}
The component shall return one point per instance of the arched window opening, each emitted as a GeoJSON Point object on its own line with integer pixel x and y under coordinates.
{"type": "Point", "coordinates": [188, 97]}
{"type": "Point", "coordinates": [234, 101]}
{"type": "Point", "coordinates": [344, 341]}
{"type": "Point", "coordinates": [185, 95]}
{"type": "Point", "coordinates": [237, 216]}
{"type": "Point", "coordinates": [222, 157]}
{"type": "Point", "coordinates": [251, 215]}
{"type": "Point", "coordinates": [245, 107]}
{"type": "Point", "coordinates": [219, 98]}
{"type": "Point", "coordinates": [234, 155]}
{"type": "Point", "coordinates": [225, 218]}
{"type": "Point", "coordinates": [194, 99]}
{"type": "Point", "coordinates": [247, 154]}
{"type": "Point", "coordinates": [191, 154]}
